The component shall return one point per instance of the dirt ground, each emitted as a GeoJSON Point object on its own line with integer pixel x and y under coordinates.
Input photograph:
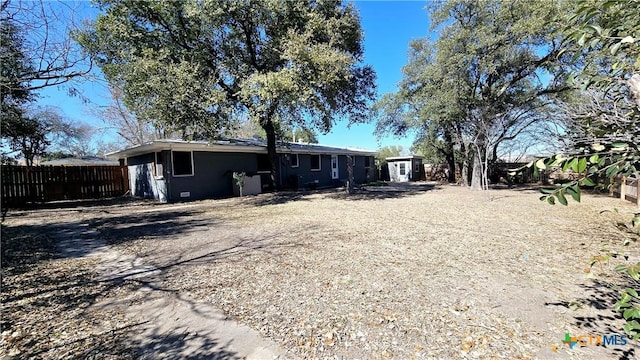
{"type": "Point", "coordinates": [421, 271]}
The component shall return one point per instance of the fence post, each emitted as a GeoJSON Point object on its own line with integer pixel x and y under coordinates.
{"type": "Point", "coordinates": [623, 188]}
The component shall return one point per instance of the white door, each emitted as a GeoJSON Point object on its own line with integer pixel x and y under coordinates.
{"type": "Point", "coordinates": [334, 167]}
{"type": "Point", "coordinates": [404, 169]}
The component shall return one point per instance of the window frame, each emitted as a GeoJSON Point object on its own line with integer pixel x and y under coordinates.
{"type": "Point", "coordinates": [297, 160]}
{"type": "Point", "coordinates": [258, 170]}
{"type": "Point", "coordinates": [319, 162]}
{"type": "Point", "coordinates": [158, 165]}
{"type": "Point", "coordinates": [402, 169]}
{"type": "Point", "coordinates": [173, 164]}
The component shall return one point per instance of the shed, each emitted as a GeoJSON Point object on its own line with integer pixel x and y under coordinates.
{"type": "Point", "coordinates": [405, 168]}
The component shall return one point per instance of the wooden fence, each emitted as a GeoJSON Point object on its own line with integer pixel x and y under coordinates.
{"type": "Point", "coordinates": [627, 189]}
{"type": "Point", "coordinates": [33, 184]}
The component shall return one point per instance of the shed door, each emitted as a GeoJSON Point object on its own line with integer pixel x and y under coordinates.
{"type": "Point", "coordinates": [334, 167]}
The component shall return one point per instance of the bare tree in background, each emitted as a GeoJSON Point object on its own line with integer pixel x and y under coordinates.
{"type": "Point", "coordinates": [46, 27]}
{"type": "Point", "coordinates": [133, 130]}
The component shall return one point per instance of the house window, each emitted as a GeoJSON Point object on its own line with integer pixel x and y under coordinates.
{"type": "Point", "coordinates": [417, 167]}
{"type": "Point", "coordinates": [158, 168]}
{"type": "Point", "coordinates": [315, 162]}
{"type": "Point", "coordinates": [403, 168]}
{"type": "Point", "coordinates": [294, 160]}
{"type": "Point", "coordinates": [264, 165]}
{"type": "Point", "coordinates": [367, 161]}
{"type": "Point", "coordinates": [182, 163]}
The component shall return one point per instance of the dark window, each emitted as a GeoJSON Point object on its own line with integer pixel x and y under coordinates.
{"type": "Point", "coordinates": [417, 167]}
{"type": "Point", "coordinates": [263, 163]}
{"type": "Point", "coordinates": [182, 163]}
{"type": "Point", "coordinates": [403, 169]}
{"type": "Point", "coordinates": [294, 160]}
{"type": "Point", "coordinates": [315, 162]}
{"type": "Point", "coordinates": [367, 161]}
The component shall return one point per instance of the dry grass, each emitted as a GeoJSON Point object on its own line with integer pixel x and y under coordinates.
{"type": "Point", "coordinates": [429, 273]}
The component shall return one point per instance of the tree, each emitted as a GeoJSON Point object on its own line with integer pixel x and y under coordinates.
{"type": "Point", "coordinates": [388, 151]}
{"type": "Point", "coordinates": [43, 31]}
{"type": "Point", "coordinates": [305, 135]}
{"type": "Point", "coordinates": [14, 90]}
{"type": "Point", "coordinates": [480, 84]}
{"type": "Point", "coordinates": [604, 119]}
{"type": "Point", "coordinates": [131, 128]}
{"type": "Point", "coordinates": [36, 51]}
{"type": "Point", "coordinates": [196, 66]}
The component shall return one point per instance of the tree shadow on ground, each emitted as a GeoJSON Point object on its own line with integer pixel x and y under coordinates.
{"type": "Point", "coordinates": [277, 198]}
{"type": "Point", "coordinates": [391, 191]}
{"type": "Point", "coordinates": [600, 297]}
{"type": "Point", "coordinates": [44, 294]}
{"type": "Point", "coordinates": [46, 306]}
{"type": "Point", "coordinates": [123, 228]}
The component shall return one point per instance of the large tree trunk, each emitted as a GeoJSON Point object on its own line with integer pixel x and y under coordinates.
{"type": "Point", "coordinates": [451, 161]}
{"type": "Point", "coordinates": [270, 130]}
{"type": "Point", "coordinates": [477, 175]}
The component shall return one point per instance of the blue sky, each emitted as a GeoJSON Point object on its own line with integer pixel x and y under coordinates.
{"type": "Point", "coordinates": [388, 27]}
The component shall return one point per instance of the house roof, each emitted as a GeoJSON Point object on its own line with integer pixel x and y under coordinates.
{"type": "Point", "coordinates": [81, 161]}
{"type": "Point", "coordinates": [256, 146]}
{"type": "Point", "coordinates": [401, 158]}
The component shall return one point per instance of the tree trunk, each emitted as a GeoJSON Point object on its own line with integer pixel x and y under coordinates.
{"type": "Point", "coordinates": [270, 131]}
{"type": "Point", "coordinates": [451, 161]}
{"type": "Point", "coordinates": [349, 188]}
{"type": "Point", "coordinates": [476, 175]}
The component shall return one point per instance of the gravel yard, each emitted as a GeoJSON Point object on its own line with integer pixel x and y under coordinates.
{"type": "Point", "coordinates": [423, 272]}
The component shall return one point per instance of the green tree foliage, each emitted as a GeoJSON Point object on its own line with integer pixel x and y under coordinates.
{"type": "Point", "coordinates": [14, 91]}
{"type": "Point", "coordinates": [196, 66]}
{"type": "Point", "coordinates": [387, 151]}
{"type": "Point", "coordinates": [480, 84]}
{"type": "Point", "coordinates": [604, 131]}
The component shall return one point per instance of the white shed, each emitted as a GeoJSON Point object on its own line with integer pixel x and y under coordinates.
{"type": "Point", "coordinates": [405, 168]}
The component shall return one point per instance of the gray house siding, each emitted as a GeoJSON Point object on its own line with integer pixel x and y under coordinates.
{"type": "Point", "coordinates": [209, 175]}
{"type": "Point", "coordinates": [305, 176]}
{"type": "Point", "coordinates": [212, 175]}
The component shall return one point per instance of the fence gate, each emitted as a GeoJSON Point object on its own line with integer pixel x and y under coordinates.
{"type": "Point", "coordinates": [29, 184]}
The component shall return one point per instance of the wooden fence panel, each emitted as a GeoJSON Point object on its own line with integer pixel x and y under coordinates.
{"type": "Point", "coordinates": [626, 188]}
{"type": "Point", "coordinates": [29, 184]}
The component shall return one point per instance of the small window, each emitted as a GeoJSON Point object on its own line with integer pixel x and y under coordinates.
{"type": "Point", "coordinates": [315, 162]}
{"type": "Point", "coordinates": [367, 161]}
{"type": "Point", "coordinates": [264, 165]}
{"type": "Point", "coordinates": [403, 169]}
{"type": "Point", "coordinates": [158, 168]}
{"type": "Point", "coordinates": [294, 160]}
{"type": "Point", "coordinates": [182, 163]}
{"type": "Point", "coordinates": [417, 167]}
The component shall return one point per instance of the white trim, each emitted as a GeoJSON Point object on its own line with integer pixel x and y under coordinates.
{"type": "Point", "coordinates": [401, 158]}
{"type": "Point", "coordinates": [173, 166]}
{"type": "Point", "coordinates": [319, 162]}
{"type": "Point", "coordinates": [297, 160]}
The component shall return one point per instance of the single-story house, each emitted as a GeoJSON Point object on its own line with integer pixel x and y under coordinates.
{"type": "Point", "coordinates": [405, 168]}
{"type": "Point", "coordinates": [175, 170]}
